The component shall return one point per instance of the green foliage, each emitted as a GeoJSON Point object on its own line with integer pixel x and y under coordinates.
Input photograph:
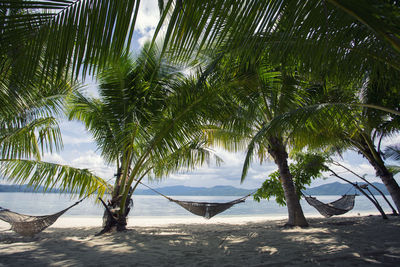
{"type": "Point", "coordinates": [395, 169]}
{"type": "Point", "coordinates": [393, 153]}
{"type": "Point", "coordinates": [271, 188]}
{"type": "Point", "coordinates": [64, 36]}
{"type": "Point", "coordinates": [149, 118]}
{"type": "Point", "coordinates": [28, 113]}
{"type": "Point", "coordinates": [343, 34]}
{"type": "Point", "coordinates": [51, 175]}
{"type": "Point", "coordinates": [308, 166]}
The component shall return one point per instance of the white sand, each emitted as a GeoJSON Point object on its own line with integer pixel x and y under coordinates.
{"type": "Point", "coordinates": [221, 241]}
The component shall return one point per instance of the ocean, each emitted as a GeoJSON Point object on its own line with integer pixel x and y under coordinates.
{"type": "Point", "coordinates": [157, 206]}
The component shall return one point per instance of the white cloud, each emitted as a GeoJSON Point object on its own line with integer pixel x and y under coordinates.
{"type": "Point", "coordinates": [76, 140]}
{"type": "Point", "coordinates": [148, 16]}
{"type": "Point", "coordinates": [92, 161]}
{"type": "Point", "coordinates": [74, 133]}
{"type": "Point", "coordinates": [229, 173]}
{"type": "Point", "coordinates": [147, 36]}
{"type": "Point", "coordinates": [90, 87]}
{"type": "Point", "coordinates": [80, 153]}
{"type": "Point", "coordinates": [83, 160]}
{"type": "Point", "coordinates": [54, 158]}
{"type": "Point", "coordinates": [147, 20]}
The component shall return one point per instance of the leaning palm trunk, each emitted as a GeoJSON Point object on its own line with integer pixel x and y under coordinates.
{"type": "Point", "coordinates": [278, 152]}
{"type": "Point", "coordinates": [386, 176]}
{"type": "Point", "coordinates": [388, 180]}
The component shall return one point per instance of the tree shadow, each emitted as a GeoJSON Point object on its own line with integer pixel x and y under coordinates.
{"type": "Point", "coordinates": [327, 242]}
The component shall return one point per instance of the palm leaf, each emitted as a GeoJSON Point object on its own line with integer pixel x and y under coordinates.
{"type": "Point", "coordinates": [186, 158]}
{"type": "Point", "coordinates": [50, 175]}
{"type": "Point", "coordinates": [66, 33]}
{"type": "Point", "coordinates": [380, 17]}
{"type": "Point", "coordinates": [395, 169]}
{"type": "Point", "coordinates": [30, 139]}
{"type": "Point", "coordinates": [347, 38]}
{"type": "Point", "coordinates": [393, 152]}
{"type": "Point", "coordinates": [27, 116]}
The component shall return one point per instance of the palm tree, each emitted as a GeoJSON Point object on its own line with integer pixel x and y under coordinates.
{"type": "Point", "coordinates": [29, 127]}
{"type": "Point", "coordinates": [259, 93]}
{"type": "Point", "coordinates": [372, 126]}
{"type": "Point", "coordinates": [348, 42]}
{"type": "Point", "coordinates": [146, 122]}
{"type": "Point", "coordinates": [42, 45]}
{"type": "Point", "coordinates": [344, 127]}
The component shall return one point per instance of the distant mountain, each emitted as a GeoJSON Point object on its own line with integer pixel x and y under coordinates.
{"type": "Point", "coordinates": [340, 189]}
{"type": "Point", "coordinates": [326, 189]}
{"type": "Point", "coordinates": [197, 191]}
{"type": "Point", "coordinates": [170, 190]}
{"type": "Point", "coordinates": [24, 188]}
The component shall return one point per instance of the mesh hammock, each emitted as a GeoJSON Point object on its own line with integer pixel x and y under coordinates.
{"type": "Point", "coordinates": [204, 209]}
{"type": "Point", "coordinates": [28, 225]}
{"type": "Point", "coordinates": [337, 207]}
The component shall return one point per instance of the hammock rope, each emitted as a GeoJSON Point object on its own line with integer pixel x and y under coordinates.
{"type": "Point", "coordinates": [204, 209]}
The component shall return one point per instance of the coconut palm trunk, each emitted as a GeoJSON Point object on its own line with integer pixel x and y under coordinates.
{"type": "Point", "coordinates": [112, 219]}
{"type": "Point", "coordinates": [367, 149]}
{"type": "Point", "coordinates": [386, 177]}
{"type": "Point", "coordinates": [278, 152]}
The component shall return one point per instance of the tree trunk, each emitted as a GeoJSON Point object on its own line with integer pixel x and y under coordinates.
{"type": "Point", "coordinates": [111, 217]}
{"type": "Point", "coordinates": [390, 183]}
{"type": "Point", "coordinates": [278, 151]}
{"type": "Point", "coordinates": [385, 175]}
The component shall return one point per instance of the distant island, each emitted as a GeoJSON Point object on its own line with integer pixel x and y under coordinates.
{"type": "Point", "coordinates": [326, 189]}
{"type": "Point", "coordinates": [337, 188]}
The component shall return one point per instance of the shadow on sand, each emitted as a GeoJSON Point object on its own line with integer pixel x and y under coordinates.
{"type": "Point", "coordinates": [338, 242]}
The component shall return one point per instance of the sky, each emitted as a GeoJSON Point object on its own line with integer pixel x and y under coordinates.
{"type": "Point", "coordinates": [80, 150]}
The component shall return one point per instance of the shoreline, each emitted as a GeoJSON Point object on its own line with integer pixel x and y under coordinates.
{"type": "Point", "coordinates": [337, 241]}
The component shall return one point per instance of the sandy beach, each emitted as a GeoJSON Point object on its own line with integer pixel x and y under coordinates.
{"type": "Point", "coordinates": [341, 241]}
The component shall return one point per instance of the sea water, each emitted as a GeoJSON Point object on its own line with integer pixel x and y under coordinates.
{"type": "Point", "coordinates": [157, 206]}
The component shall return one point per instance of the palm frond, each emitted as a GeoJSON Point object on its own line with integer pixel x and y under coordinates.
{"type": "Point", "coordinates": [251, 149]}
{"type": "Point", "coordinates": [69, 33]}
{"type": "Point", "coordinates": [395, 169]}
{"type": "Point", "coordinates": [186, 158]}
{"type": "Point", "coordinates": [31, 139]}
{"type": "Point", "coordinates": [393, 152]}
{"type": "Point", "coordinates": [50, 175]}
{"type": "Point", "coordinates": [96, 120]}
{"type": "Point", "coordinates": [225, 138]}
{"type": "Point", "coordinates": [380, 17]}
{"type": "Point", "coordinates": [348, 39]}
